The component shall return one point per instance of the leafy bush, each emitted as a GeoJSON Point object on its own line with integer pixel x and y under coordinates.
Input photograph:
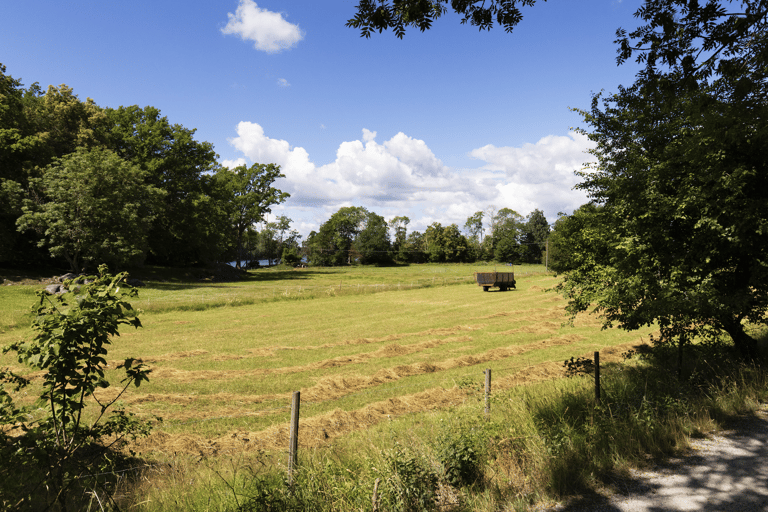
{"type": "Point", "coordinates": [458, 451]}
{"type": "Point", "coordinates": [50, 458]}
{"type": "Point", "coordinates": [411, 486]}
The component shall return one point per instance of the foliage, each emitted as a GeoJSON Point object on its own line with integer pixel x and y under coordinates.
{"type": "Point", "coordinates": [276, 238]}
{"type": "Point", "coordinates": [290, 256]}
{"type": "Point", "coordinates": [61, 450]}
{"type": "Point", "coordinates": [332, 245]}
{"type": "Point", "coordinates": [506, 234]}
{"type": "Point", "coordinates": [702, 42]}
{"type": "Point", "coordinates": [190, 225]}
{"type": "Point", "coordinates": [93, 206]}
{"type": "Point", "coordinates": [445, 244]}
{"type": "Point", "coordinates": [248, 195]}
{"type": "Point", "coordinates": [41, 127]}
{"type": "Point", "coordinates": [579, 241]}
{"type": "Point", "coordinates": [679, 174]}
{"type": "Point", "coordinates": [535, 232]}
{"type": "Point", "coordinates": [380, 15]}
{"type": "Point", "coordinates": [399, 226]}
{"type": "Point", "coordinates": [411, 486]}
{"type": "Point", "coordinates": [372, 242]}
{"type": "Point", "coordinates": [459, 451]}
{"type": "Point", "coordinates": [578, 366]}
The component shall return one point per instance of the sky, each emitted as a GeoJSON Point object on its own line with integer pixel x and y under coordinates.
{"type": "Point", "coordinates": [435, 127]}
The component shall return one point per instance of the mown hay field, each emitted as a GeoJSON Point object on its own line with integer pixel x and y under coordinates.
{"type": "Point", "coordinates": [362, 345]}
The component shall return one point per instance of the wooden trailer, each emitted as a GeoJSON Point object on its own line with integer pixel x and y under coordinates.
{"type": "Point", "coordinates": [502, 280]}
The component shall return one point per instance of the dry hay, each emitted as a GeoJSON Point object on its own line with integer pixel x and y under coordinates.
{"type": "Point", "coordinates": [271, 351]}
{"type": "Point", "coordinates": [317, 430]}
{"type": "Point", "coordinates": [313, 431]}
{"type": "Point", "coordinates": [538, 328]}
{"type": "Point", "coordinates": [587, 320]}
{"type": "Point", "coordinates": [393, 350]}
{"type": "Point", "coordinates": [544, 371]}
{"type": "Point", "coordinates": [530, 314]}
{"type": "Point", "coordinates": [331, 388]}
{"type": "Point", "coordinates": [173, 356]}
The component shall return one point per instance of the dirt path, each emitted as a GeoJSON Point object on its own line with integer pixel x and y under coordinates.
{"type": "Point", "coordinates": [727, 472]}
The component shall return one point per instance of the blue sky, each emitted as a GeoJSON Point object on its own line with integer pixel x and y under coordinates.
{"type": "Point", "coordinates": [436, 126]}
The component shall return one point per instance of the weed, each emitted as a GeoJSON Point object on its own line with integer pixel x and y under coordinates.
{"type": "Point", "coordinates": [458, 450]}
{"type": "Point", "coordinates": [411, 485]}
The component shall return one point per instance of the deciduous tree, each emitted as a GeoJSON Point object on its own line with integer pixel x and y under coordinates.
{"type": "Point", "coordinates": [190, 226]}
{"type": "Point", "coordinates": [249, 194]}
{"type": "Point", "coordinates": [93, 207]}
{"type": "Point", "coordinates": [680, 176]}
{"type": "Point", "coordinates": [535, 233]}
{"type": "Point", "coordinates": [505, 240]}
{"type": "Point", "coordinates": [372, 242]}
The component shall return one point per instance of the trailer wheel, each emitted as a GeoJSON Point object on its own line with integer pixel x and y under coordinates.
{"type": "Point", "coordinates": [486, 288]}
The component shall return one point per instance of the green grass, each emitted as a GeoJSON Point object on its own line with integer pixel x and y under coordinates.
{"type": "Point", "coordinates": [359, 343]}
{"type": "Point", "coordinates": [233, 364]}
{"type": "Point", "coordinates": [541, 443]}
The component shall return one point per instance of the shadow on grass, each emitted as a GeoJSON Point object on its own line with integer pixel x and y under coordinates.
{"type": "Point", "coordinates": [250, 278]}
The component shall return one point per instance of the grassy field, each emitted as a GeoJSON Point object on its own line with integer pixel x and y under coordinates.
{"type": "Point", "coordinates": [364, 345]}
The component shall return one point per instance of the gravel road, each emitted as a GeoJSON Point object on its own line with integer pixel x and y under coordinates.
{"type": "Point", "coordinates": [727, 472]}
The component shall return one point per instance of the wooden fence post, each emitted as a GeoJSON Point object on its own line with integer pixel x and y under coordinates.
{"type": "Point", "coordinates": [487, 373]}
{"type": "Point", "coordinates": [597, 377]}
{"type": "Point", "coordinates": [293, 443]}
{"type": "Point", "coordinates": [375, 499]}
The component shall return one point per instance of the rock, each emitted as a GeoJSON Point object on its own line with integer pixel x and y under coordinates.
{"type": "Point", "coordinates": [55, 289]}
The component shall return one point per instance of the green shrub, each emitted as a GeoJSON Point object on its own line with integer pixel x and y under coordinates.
{"type": "Point", "coordinates": [458, 450]}
{"type": "Point", "coordinates": [57, 455]}
{"type": "Point", "coordinates": [411, 485]}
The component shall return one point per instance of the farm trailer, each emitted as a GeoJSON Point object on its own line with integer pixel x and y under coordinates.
{"type": "Point", "coordinates": [503, 280]}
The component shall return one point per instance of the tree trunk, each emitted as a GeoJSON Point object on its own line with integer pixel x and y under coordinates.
{"type": "Point", "coordinates": [744, 343]}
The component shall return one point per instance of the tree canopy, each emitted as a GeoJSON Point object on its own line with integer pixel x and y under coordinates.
{"type": "Point", "coordinates": [680, 176]}
{"type": "Point", "coordinates": [380, 15]}
{"type": "Point", "coordinates": [42, 130]}
{"type": "Point", "coordinates": [250, 195]}
{"type": "Point", "coordinates": [94, 208]}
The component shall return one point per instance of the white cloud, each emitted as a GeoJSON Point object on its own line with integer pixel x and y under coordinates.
{"type": "Point", "coordinates": [270, 32]}
{"type": "Point", "coordinates": [551, 159]}
{"type": "Point", "coordinates": [402, 176]}
{"type": "Point", "coordinates": [231, 164]}
{"type": "Point", "coordinates": [282, 82]}
{"type": "Point", "coordinates": [539, 175]}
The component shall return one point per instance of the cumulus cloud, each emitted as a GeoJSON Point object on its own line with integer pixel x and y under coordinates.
{"type": "Point", "coordinates": [552, 158]}
{"type": "Point", "coordinates": [282, 82]}
{"type": "Point", "coordinates": [539, 175]}
{"type": "Point", "coordinates": [269, 31]}
{"type": "Point", "coordinates": [402, 176]}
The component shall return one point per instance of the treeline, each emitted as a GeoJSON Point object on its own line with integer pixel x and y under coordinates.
{"type": "Point", "coordinates": [355, 235]}
{"type": "Point", "coordinates": [87, 185]}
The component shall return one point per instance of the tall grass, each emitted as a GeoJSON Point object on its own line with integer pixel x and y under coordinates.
{"type": "Point", "coordinates": [543, 442]}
